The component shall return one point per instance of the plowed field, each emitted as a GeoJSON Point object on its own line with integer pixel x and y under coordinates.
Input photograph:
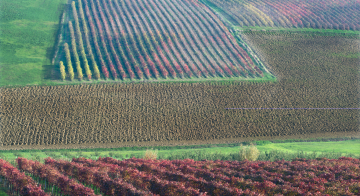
{"type": "Point", "coordinates": [314, 72]}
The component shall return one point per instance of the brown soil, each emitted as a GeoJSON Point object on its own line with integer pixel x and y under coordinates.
{"type": "Point", "coordinates": [319, 72]}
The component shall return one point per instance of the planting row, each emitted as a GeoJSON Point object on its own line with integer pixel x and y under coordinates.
{"type": "Point", "coordinates": [321, 14]}
{"type": "Point", "coordinates": [17, 182]}
{"type": "Point", "coordinates": [296, 177]}
{"type": "Point", "coordinates": [187, 177]}
{"type": "Point", "coordinates": [146, 39]}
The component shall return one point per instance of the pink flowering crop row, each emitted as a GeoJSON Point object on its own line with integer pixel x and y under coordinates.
{"type": "Point", "coordinates": [147, 38]}
{"type": "Point", "coordinates": [22, 183]}
{"type": "Point", "coordinates": [161, 26]}
{"type": "Point", "coordinates": [142, 182]}
{"type": "Point", "coordinates": [80, 41]}
{"type": "Point", "coordinates": [95, 41]}
{"type": "Point", "coordinates": [102, 37]}
{"type": "Point", "coordinates": [188, 177]}
{"type": "Point", "coordinates": [321, 14]}
{"type": "Point", "coordinates": [96, 176]}
{"type": "Point", "coordinates": [322, 176]}
{"type": "Point", "coordinates": [53, 176]}
{"type": "Point", "coordinates": [87, 41]}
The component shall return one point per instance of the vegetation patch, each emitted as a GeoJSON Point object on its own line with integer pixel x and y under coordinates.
{"type": "Point", "coordinates": [339, 14]}
{"type": "Point", "coordinates": [163, 113]}
{"type": "Point", "coordinates": [169, 40]}
{"type": "Point", "coordinates": [28, 33]}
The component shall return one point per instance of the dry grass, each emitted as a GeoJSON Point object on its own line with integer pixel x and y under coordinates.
{"type": "Point", "coordinates": [151, 154]}
{"type": "Point", "coordinates": [249, 153]}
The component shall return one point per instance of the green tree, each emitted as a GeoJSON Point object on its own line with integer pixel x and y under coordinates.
{"type": "Point", "coordinates": [74, 51]}
{"type": "Point", "coordinates": [68, 59]}
{"type": "Point", "coordinates": [62, 70]}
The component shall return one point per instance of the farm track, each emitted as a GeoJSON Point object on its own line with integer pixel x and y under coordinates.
{"type": "Point", "coordinates": [313, 72]}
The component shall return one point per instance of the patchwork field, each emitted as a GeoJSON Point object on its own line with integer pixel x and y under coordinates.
{"type": "Point", "coordinates": [188, 113]}
{"type": "Point", "coordinates": [86, 79]}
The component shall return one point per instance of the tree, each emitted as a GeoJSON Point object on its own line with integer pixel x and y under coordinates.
{"type": "Point", "coordinates": [62, 70]}
{"type": "Point", "coordinates": [74, 51]}
{"type": "Point", "coordinates": [68, 59]}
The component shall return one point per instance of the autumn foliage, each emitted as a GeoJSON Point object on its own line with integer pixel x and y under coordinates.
{"type": "Point", "coordinates": [170, 39]}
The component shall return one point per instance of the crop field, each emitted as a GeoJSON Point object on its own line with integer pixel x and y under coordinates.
{"type": "Point", "coordinates": [320, 14]}
{"type": "Point", "coordinates": [133, 114]}
{"type": "Point", "coordinates": [108, 176]}
{"type": "Point", "coordinates": [145, 39]}
{"type": "Point", "coordinates": [196, 80]}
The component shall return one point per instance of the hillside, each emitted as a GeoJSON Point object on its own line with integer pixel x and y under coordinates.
{"type": "Point", "coordinates": [150, 40]}
{"type": "Point", "coordinates": [195, 80]}
{"type": "Point", "coordinates": [319, 14]}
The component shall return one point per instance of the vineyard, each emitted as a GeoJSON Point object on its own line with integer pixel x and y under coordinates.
{"type": "Point", "coordinates": [150, 39]}
{"type": "Point", "coordinates": [108, 176]}
{"type": "Point", "coordinates": [320, 14]}
{"type": "Point", "coordinates": [178, 73]}
{"type": "Point", "coordinates": [145, 114]}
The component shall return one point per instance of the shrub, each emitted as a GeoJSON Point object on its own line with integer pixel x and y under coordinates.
{"type": "Point", "coordinates": [249, 153]}
{"type": "Point", "coordinates": [62, 70]}
{"type": "Point", "coordinates": [150, 154]}
{"type": "Point", "coordinates": [69, 64]}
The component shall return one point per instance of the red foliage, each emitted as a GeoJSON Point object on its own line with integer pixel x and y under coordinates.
{"type": "Point", "coordinates": [21, 182]}
{"type": "Point", "coordinates": [67, 186]}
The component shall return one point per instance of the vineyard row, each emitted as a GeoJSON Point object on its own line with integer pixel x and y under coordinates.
{"type": "Point", "coordinates": [146, 39]}
{"type": "Point", "coordinates": [186, 177]}
{"type": "Point", "coordinates": [323, 14]}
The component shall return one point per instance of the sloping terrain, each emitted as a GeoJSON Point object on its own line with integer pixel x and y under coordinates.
{"type": "Point", "coordinates": [150, 39]}
{"type": "Point", "coordinates": [319, 14]}
{"type": "Point", "coordinates": [108, 176]}
{"type": "Point", "coordinates": [314, 72]}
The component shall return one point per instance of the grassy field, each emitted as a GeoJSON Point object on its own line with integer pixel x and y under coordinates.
{"type": "Point", "coordinates": [344, 147]}
{"type": "Point", "coordinates": [28, 32]}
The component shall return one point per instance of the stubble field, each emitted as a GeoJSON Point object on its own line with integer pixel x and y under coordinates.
{"type": "Point", "coordinates": [313, 72]}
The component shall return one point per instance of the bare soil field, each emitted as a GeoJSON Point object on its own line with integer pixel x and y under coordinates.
{"type": "Point", "coordinates": [313, 72]}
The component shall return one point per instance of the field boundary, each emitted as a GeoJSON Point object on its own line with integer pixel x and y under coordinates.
{"type": "Point", "coordinates": [136, 148]}
{"type": "Point", "coordinates": [354, 134]}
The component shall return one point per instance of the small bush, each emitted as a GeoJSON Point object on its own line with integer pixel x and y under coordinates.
{"type": "Point", "coordinates": [66, 154]}
{"type": "Point", "coordinates": [150, 154]}
{"type": "Point", "coordinates": [249, 153]}
{"type": "Point", "coordinates": [17, 154]}
{"type": "Point", "coordinates": [119, 156]}
{"type": "Point", "coordinates": [79, 154]}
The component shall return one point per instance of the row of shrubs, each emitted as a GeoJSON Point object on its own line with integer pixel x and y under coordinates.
{"type": "Point", "coordinates": [141, 148]}
{"type": "Point", "coordinates": [246, 152]}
